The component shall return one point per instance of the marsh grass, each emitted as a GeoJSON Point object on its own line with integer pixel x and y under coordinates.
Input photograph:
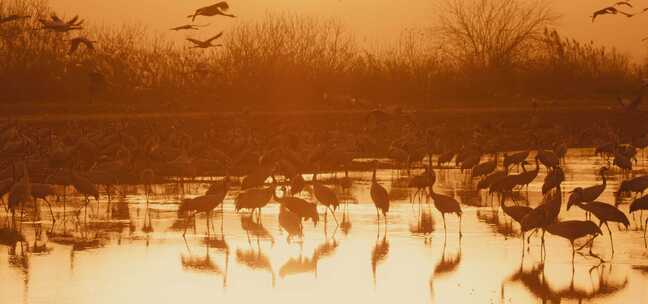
{"type": "Point", "coordinates": [286, 61]}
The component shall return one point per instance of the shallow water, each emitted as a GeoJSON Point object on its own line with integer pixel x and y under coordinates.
{"type": "Point", "coordinates": [125, 260]}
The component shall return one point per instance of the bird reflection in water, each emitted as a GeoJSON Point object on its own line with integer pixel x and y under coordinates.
{"type": "Point", "coordinates": [255, 260]}
{"type": "Point", "coordinates": [496, 223]}
{"type": "Point", "coordinates": [301, 264]}
{"type": "Point", "coordinates": [291, 223]}
{"type": "Point", "coordinates": [448, 263]}
{"type": "Point", "coordinates": [536, 282]}
{"type": "Point", "coordinates": [255, 229]}
{"type": "Point", "coordinates": [378, 255]}
{"type": "Point", "coordinates": [470, 197]}
{"type": "Point", "coordinates": [446, 266]}
{"type": "Point", "coordinates": [40, 244]}
{"type": "Point", "coordinates": [205, 264]}
{"type": "Point", "coordinates": [425, 224]}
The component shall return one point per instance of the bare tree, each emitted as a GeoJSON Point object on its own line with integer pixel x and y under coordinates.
{"type": "Point", "coordinates": [492, 34]}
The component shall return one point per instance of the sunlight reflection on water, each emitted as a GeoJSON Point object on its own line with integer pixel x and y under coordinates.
{"type": "Point", "coordinates": [124, 260]}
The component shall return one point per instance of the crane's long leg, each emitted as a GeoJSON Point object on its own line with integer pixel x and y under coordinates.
{"type": "Point", "coordinates": [445, 229]}
{"type": "Point", "coordinates": [207, 221]}
{"type": "Point", "coordinates": [573, 251]}
{"type": "Point", "coordinates": [460, 221]}
{"type": "Point", "coordinates": [50, 209]}
{"type": "Point", "coordinates": [610, 232]}
{"type": "Point", "coordinates": [645, 227]}
{"type": "Point", "coordinates": [333, 214]}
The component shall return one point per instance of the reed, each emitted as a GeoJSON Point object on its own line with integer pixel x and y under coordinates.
{"type": "Point", "coordinates": [286, 61]}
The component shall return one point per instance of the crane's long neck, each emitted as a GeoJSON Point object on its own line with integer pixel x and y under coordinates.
{"type": "Point", "coordinates": [373, 176]}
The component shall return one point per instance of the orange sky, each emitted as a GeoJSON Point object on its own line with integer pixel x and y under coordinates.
{"type": "Point", "coordinates": [370, 20]}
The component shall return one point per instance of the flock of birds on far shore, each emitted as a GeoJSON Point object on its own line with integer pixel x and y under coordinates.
{"type": "Point", "coordinates": [42, 162]}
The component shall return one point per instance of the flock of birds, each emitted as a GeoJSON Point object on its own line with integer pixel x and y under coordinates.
{"type": "Point", "coordinates": [58, 25]}
{"type": "Point", "coordinates": [43, 161]}
{"type": "Point", "coordinates": [615, 10]}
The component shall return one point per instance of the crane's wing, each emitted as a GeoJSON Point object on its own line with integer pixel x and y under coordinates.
{"type": "Point", "coordinates": [215, 37]}
{"type": "Point", "coordinates": [55, 18]}
{"type": "Point", "coordinates": [222, 5]}
{"type": "Point", "coordinates": [73, 20]}
{"type": "Point", "coordinates": [626, 3]}
{"type": "Point", "coordinates": [194, 41]}
{"type": "Point", "coordinates": [626, 14]}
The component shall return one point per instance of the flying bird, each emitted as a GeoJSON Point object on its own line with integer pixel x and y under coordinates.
{"type": "Point", "coordinates": [626, 3]}
{"type": "Point", "coordinates": [217, 9]}
{"type": "Point", "coordinates": [59, 25]}
{"type": "Point", "coordinates": [14, 17]}
{"type": "Point", "coordinates": [205, 44]}
{"type": "Point", "coordinates": [610, 10]}
{"type": "Point", "coordinates": [188, 27]}
{"type": "Point", "coordinates": [76, 42]}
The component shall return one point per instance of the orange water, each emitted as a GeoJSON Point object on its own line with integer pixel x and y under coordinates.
{"type": "Point", "coordinates": [361, 264]}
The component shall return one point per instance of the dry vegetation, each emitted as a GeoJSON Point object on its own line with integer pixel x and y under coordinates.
{"type": "Point", "coordinates": [502, 51]}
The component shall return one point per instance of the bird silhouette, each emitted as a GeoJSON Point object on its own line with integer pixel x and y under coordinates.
{"type": "Point", "coordinates": [57, 24]}
{"type": "Point", "coordinates": [589, 194]}
{"type": "Point", "coordinates": [299, 206]}
{"type": "Point", "coordinates": [635, 185]}
{"type": "Point", "coordinates": [20, 193]}
{"type": "Point", "coordinates": [421, 182]}
{"type": "Point", "coordinates": [206, 43]}
{"type": "Point", "coordinates": [610, 10]}
{"type": "Point", "coordinates": [526, 177]}
{"type": "Point", "coordinates": [76, 42]}
{"type": "Point", "coordinates": [517, 213]}
{"type": "Point", "coordinates": [85, 187]}
{"type": "Point", "coordinates": [291, 223]}
{"type": "Point", "coordinates": [446, 204]}
{"type": "Point", "coordinates": [188, 27]}
{"type": "Point", "coordinates": [548, 158]}
{"type": "Point", "coordinates": [572, 230]}
{"type": "Point", "coordinates": [514, 159]}
{"type": "Point", "coordinates": [605, 213]}
{"type": "Point", "coordinates": [326, 197]}
{"type": "Point", "coordinates": [379, 196]}
{"type": "Point", "coordinates": [254, 199]}
{"type": "Point", "coordinates": [553, 179]}
{"type": "Point", "coordinates": [485, 168]}
{"type": "Point", "coordinates": [42, 191]}
{"type": "Point", "coordinates": [641, 204]}
{"type": "Point", "coordinates": [204, 203]}
{"type": "Point", "coordinates": [217, 9]}
{"type": "Point", "coordinates": [544, 215]}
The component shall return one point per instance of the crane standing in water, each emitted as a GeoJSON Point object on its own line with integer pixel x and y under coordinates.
{"type": "Point", "coordinates": [605, 213]}
{"type": "Point", "coordinates": [326, 197]}
{"type": "Point", "coordinates": [446, 204]}
{"type": "Point", "coordinates": [86, 188]}
{"type": "Point", "coordinates": [572, 230]}
{"type": "Point", "coordinates": [20, 193]}
{"type": "Point", "coordinates": [379, 196]}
